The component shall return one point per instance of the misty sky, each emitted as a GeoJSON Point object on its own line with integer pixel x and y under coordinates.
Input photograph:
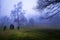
{"type": "Point", "coordinates": [8, 5]}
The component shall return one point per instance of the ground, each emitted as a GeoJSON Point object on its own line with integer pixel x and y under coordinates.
{"type": "Point", "coordinates": [30, 34]}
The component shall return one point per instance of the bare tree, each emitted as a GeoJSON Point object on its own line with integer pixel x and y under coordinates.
{"type": "Point", "coordinates": [44, 3]}
{"type": "Point", "coordinates": [18, 14]}
{"type": "Point", "coordinates": [52, 11]}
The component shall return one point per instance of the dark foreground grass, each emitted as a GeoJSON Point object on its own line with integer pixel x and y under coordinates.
{"type": "Point", "coordinates": [32, 34]}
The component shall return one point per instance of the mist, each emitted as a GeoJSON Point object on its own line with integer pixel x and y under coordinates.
{"type": "Point", "coordinates": [34, 12]}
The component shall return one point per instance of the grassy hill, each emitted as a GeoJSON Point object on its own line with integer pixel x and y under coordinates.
{"type": "Point", "coordinates": [30, 34]}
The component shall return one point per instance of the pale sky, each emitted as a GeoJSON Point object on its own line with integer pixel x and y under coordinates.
{"type": "Point", "coordinates": [8, 5]}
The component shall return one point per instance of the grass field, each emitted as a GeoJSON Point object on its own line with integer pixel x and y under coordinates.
{"type": "Point", "coordinates": [30, 34]}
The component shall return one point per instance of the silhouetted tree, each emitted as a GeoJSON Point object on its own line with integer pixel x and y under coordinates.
{"type": "Point", "coordinates": [18, 27]}
{"type": "Point", "coordinates": [11, 26]}
{"type": "Point", "coordinates": [4, 28]}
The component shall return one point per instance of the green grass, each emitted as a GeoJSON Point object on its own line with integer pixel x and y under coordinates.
{"type": "Point", "coordinates": [30, 34]}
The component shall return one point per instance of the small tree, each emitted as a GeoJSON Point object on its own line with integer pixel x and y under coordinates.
{"type": "Point", "coordinates": [4, 28]}
{"type": "Point", "coordinates": [11, 26]}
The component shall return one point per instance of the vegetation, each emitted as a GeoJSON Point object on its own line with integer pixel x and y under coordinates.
{"type": "Point", "coordinates": [30, 34]}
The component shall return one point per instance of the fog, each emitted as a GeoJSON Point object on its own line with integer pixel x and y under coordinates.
{"type": "Point", "coordinates": [34, 12]}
